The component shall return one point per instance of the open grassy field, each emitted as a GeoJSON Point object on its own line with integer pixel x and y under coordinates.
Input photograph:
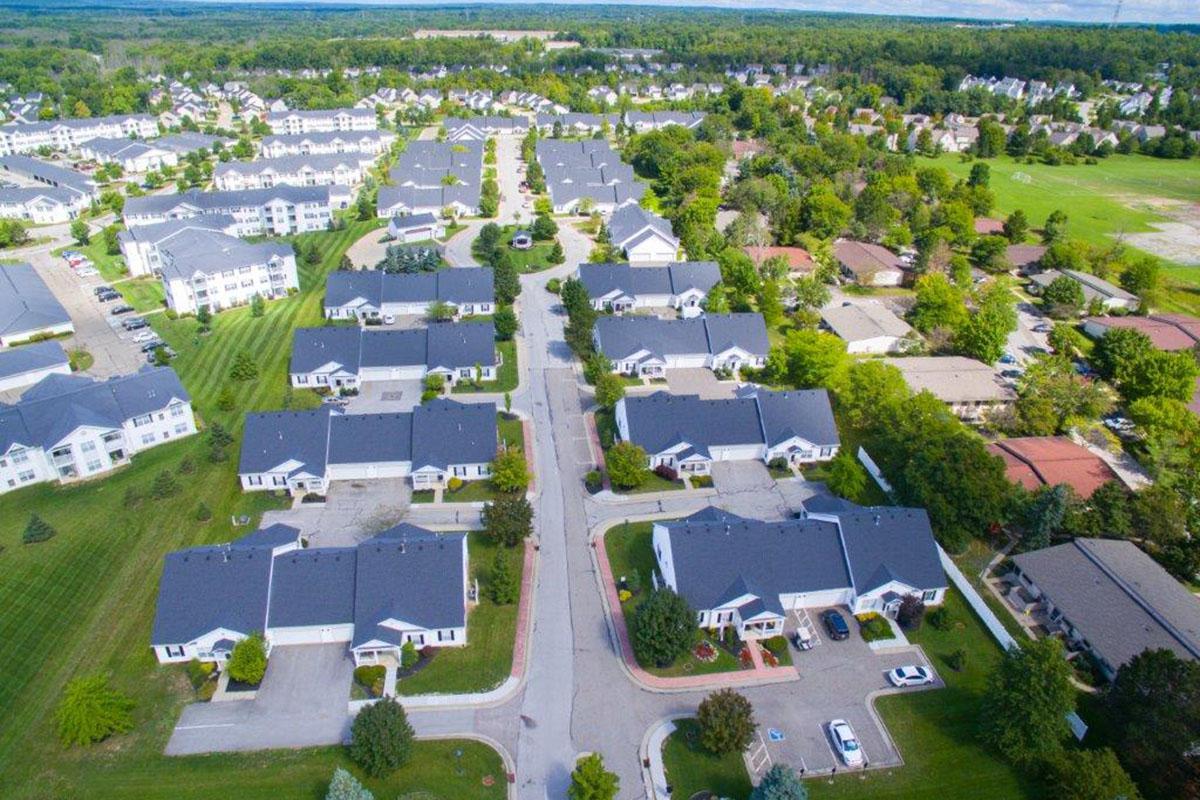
{"type": "Point", "coordinates": [83, 601]}
{"type": "Point", "coordinates": [487, 659]}
{"type": "Point", "coordinates": [1117, 196]}
{"type": "Point", "coordinates": [937, 731]}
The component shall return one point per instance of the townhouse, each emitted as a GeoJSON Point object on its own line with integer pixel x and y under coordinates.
{"type": "Point", "coordinates": [644, 237]}
{"type": "Point", "coordinates": [28, 309]}
{"type": "Point", "coordinates": [969, 387]}
{"type": "Point", "coordinates": [588, 172]}
{"type": "Point", "coordinates": [649, 346]}
{"type": "Point", "coordinates": [140, 244]}
{"type": "Point", "coordinates": [683, 285]}
{"type": "Point", "coordinates": [206, 268]}
{"type": "Point", "coordinates": [687, 434]}
{"type": "Point", "coordinates": [575, 123]}
{"type": "Point", "coordinates": [369, 294]}
{"type": "Point", "coordinates": [68, 134]}
{"type": "Point", "coordinates": [404, 585]}
{"type": "Point", "coordinates": [28, 364]}
{"type": "Point", "coordinates": [346, 358]}
{"type": "Point", "coordinates": [336, 119]}
{"type": "Point", "coordinates": [131, 155]}
{"type": "Point", "coordinates": [340, 172]}
{"type": "Point", "coordinates": [434, 177]}
{"type": "Point", "coordinates": [39, 174]}
{"type": "Point", "coordinates": [869, 328]}
{"type": "Point", "coordinates": [304, 451]}
{"type": "Point", "coordinates": [71, 427]}
{"type": "Point", "coordinates": [750, 575]}
{"type": "Point", "coordinates": [642, 121]}
{"type": "Point", "coordinates": [369, 143]}
{"type": "Point", "coordinates": [869, 264]}
{"type": "Point", "coordinates": [480, 128]}
{"type": "Point", "coordinates": [1095, 289]}
{"type": "Point", "coordinates": [42, 205]}
{"type": "Point", "coordinates": [278, 211]}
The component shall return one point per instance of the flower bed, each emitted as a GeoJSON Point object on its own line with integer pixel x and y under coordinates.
{"type": "Point", "coordinates": [873, 627]}
{"type": "Point", "coordinates": [704, 651]}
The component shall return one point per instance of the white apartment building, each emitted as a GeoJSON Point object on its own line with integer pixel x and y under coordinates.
{"type": "Point", "coordinates": [334, 119]}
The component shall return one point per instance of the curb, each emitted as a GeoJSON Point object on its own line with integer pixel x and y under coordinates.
{"type": "Point", "coordinates": [510, 766]}
{"type": "Point", "coordinates": [650, 753]}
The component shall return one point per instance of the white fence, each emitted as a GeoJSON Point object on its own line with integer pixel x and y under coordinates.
{"type": "Point", "coordinates": [990, 620]}
{"type": "Point", "coordinates": [865, 458]}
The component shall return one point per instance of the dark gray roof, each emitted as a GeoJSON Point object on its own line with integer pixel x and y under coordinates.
{"type": "Point", "coordinates": [158, 232]}
{"type": "Point", "coordinates": [324, 113]}
{"type": "Point", "coordinates": [274, 438]}
{"type": "Point", "coordinates": [322, 137]}
{"type": "Point", "coordinates": [630, 219]}
{"type": "Point", "coordinates": [31, 358]}
{"type": "Point", "coordinates": [26, 194]}
{"type": "Point", "coordinates": [198, 202]}
{"type": "Point", "coordinates": [1117, 597]}
{"type": "Point", "coordinates": [317, 162]}
{"type": "Point", "coordinates": [414, 221]}
{"type": "Point", "coordinates": [49, 174]}
{"type": "Point", "coordinates": [271, 536]}
{"type": "Point", "coordinates": [206, 588]}
{"type": "Point", "coordinates": [370, 438]}
{"type": "Point", "coordinates": [621, 337]}
{"type": "Point", "coordinates": [58, 404]}
{"type": "Point", "coordinates": [192, 251]}
{"type": "Point", "coordinates": [313, 587]}
{"type": "Point", "coordinates": [411, 575]}
{"type": "Point", "coordinates": [676, 278]}
{"type": "Point", "coordinates": [446, 432]}
{"type": "Point", "coordinates": [660, 421]}
{"type": "Point", "coordinates": [886, 544]}
{"type": "Point", "coordinates": [458, 286]}
{"type": "Point", "coordinates": [26, 303]}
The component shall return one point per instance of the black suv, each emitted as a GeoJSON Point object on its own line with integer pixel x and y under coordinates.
{"type": "Point", "coordinates": [836, 625]}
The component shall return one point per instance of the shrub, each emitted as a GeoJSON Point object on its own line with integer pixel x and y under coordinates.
{"type": "Point", "coordinates": [957, 660]}
{"type": "Point", "coordinates": [198, 672]}
{"type": "Point", "coordinates": [666, 473]}
{"type": "Point", "coordinates": [37, 530]}
{"type": "Point", "coordinates": [663, 628]}
{"type": "Point", "coordinates": [776, 644]}
{"type": "Point", "coordinates": [248, 662]}
{"type": "Point", "coordinates": [624, 595]}
{"type": "Point", "coordinates": [591, 781]}
{"type": "Point", "coordinates": [187, 466]}
{"type": "Point", "coordinates": [164, 484]}
{"type": "Point", "coordinates": [244, 368]}
{"type": "Point", "coordinates": [408, 655]}
{"type": "Point", "coordinates": [345, 786]}
{"type": "Point", "coordinates": [777, 463]}
{"type": "Point", "coordinates": [90, 711]}
{"type": "Point", "coordinates": [593, 480]}
{"type": "Point", "coordinates": [626, 465]}
{"type": "Point", "coordinates": [554, 285]}
{"type": "Point", "coordinates": [940, 618]}
{"type": "Point", "coordinates": [510, 472]}
{"type": "Point", "coordinates": [873, 627]}
{"type": "Point", "coordinates": [371, 678]}
{"type": "Point", "coordinates": [910, 613]}
{"type": "Point", "coordinates": [726, 721]}
{"type": "Point", "coordinates": [203, 512]}
{"type": "Point", "coordinates": [381, 739]}
{"type": "Point", "coordinates": [455, 483]}
{"type": "Point", "coordinates": [225, 400]}
{"type": "Point", "coordinates": [502, 586]}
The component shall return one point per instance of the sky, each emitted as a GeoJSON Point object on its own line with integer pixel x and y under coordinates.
{"type": "Point", "coordinates": [1157, 11]}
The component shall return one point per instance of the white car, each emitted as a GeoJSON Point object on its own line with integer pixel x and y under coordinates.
{"type": "Point", "coordinates": [144, 336]}
{"type": "Point", "coordinates": [388, 319]}
{"type": "Point", "coordinates": [910, 676]}
{"type": "Point", "coordinates": [846, 743]}
{"type": "Point", "coordinates": [87, 272]}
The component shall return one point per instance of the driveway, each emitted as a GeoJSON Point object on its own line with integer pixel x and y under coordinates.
{"type": "Point", "coordinates": [747, 489]}
{"type": "Point", "coordinates": [699, 381]}
{"type": "Point", "coordinates": [353, 511]}
{"type": "Point", "coordinates": [302, 703]}
{"type": "Point", "coordinates": [369, 250]}
{"type": "Point", "coordinates": [383, 396]}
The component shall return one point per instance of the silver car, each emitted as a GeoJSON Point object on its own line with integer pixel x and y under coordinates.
{"type": "Point", "coordinates": [909, 676]}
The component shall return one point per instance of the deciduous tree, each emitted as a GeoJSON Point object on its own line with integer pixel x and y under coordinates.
{"type": "Point", "coordinates": [1028, 698]}
{"type": "Point", "coordinates": [90, 710]}
{"type": "Point", "coordinates": [663, 628]}
{"type": "Point", "coordinates": [726, 721]}
{"type": "Point", "coordinates": [381, 738]}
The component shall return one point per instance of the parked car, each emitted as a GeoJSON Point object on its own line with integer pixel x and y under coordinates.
{"type": "Point", "coordinates": [1119, 424]}
{"type": "Point", "coordinates": [87, 272]}
{"type": "Point", "coordinates": [801, 640]}
{"type": "Point", "coordinates": [152, 356]}
{"type": "Point", "coordinates": [836, 625]}
{"type": "Point", "coordinates": [151, 344]}
{"type": "Point", "coordinates": [67, 254]}
{"type": "Point", "coordinates": [909, 676]}
{"type": "Point", "coordinates": [388, 319]}
{"type": "Point", "coordinates": [122, 309]}
{"type": "Point", "coordinates": [1008, 358]}
{"type": "Point", "coordinates": [135, 324]}
{"type": "Point", "coordinates": [108, 297]}
{"type": "Point", "coordinates": [1043, 327]}
{"type": "Point", "coordinates": [1011, 374]}
{"type": "Point", "coordinates": [845, 742]}
{"type": "Point", "coordinates": [99, 290]}
{"type": "Point", "coordinates": [145, 336]}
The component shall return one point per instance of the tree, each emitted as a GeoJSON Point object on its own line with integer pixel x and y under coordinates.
{"type": "Point", "coordinates": [381, 739]}
{"type": "Point", "coordinates": [574, 296]}
{"type": "Point", "coordinates": [1016, 227]}
{"type": "Point", "coordinates": [37, 530]}
{"type": "Point", "coordinates": [489, 238]}
{"type": "Point", "coordinates": [1028, 697]}
{"type": "Point", "coordinates": [985, 334]}
{"type": "Point", "coordinates": [1117, 349]}
{"type": "Point", "coordinates": [1160, 373]}
{"type": "Point", "coordinates": [203, 318]}
{"type": "Point", "coordinates": [112, 245]}
{"type": "Point", "coordinates": [1159, 514]}
{"type": "Point", "coordinates": [556, 254]}
{"type": "Point", "coordinates": [1052, 395]}
{"type": "Point", "coordinates": [807, 358]}
{"type": "Point", "coordinates": [544, 228]}
{"type": "Point", "coordinates": [1154, 708]}
{"type": "Point", "coordinates": [1055, 227]}
{"type": "Point", "coordinates": [663, 628]}
{"type": "Point", "coordinates": [90, 711]}
{"type": "Point", "coordinates": [780, 783]}
{"type": "Point", "coordinates": [510, 472]}
{"type": "Point", "coordinates": [345, 786]}
{"type": "Point", "coordinates": [591, 781]}
{"type": "Point", "coordinates": [258, 306]}
{"type": "Point", "coordinates": [1143, 277]}
{"type": "Point", "coordinates": [726, 721]}
{"type": "Point", "coordinates": [1063, 297]}
{"type": "Point", "coordinates": [505, 320]}
{"type": "Point", "coordinates": [508, 519]}
{"type": "Point", "coordinates": [248, 662]}
{"type": "Point", "coordinates": [503, 587]}
{"type": "Point", "coordinates": [244, 368]}
{"type": "Point", "coordinates": [911, 612]}
{"type": "Point", "coordinates": [364, 207]}
{"type": "Point", "coordinates": [939, 304]}
{"type": "Point", "coordinates": [506, 280]}
{"type": "Point", "coordinates": [990, 253]}
{"type": "Point", "coordinates": [626, 464]}
{"type": "Point", "coordinates": [847, 478]}
{"type": "Point", "coordinates": [609, 390]}
{"type": "Point", "coordinates": [80, 232]}
{"type": "Point", "coordinates": [164, 484]}
{"type": "Point", "coordinates": [769, 303]}
{"type": "Point", "coordinates": [1091, 775]}
{"type": "Point", "coordinates": [440, 311]}
{"type": "Point", "coordinates": [811, 293]}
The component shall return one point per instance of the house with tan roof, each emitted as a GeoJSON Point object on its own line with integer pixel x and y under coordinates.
{"type": "Point", "coordinates": [869, 264]}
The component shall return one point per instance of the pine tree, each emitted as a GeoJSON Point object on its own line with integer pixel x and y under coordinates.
{"type": "Point", "coordinates": [37, 530]}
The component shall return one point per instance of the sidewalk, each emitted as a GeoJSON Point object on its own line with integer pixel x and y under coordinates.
{"type": "Point", "coordinates": [758, 676]}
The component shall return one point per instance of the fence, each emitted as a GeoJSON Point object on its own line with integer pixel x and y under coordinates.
{"type": "Point", "coordinates": [990, 620]}
{"type": "Point", "coordinates": [865, 458]}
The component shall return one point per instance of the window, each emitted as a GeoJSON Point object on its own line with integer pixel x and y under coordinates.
{"type": "Point", "coordinates": [254, 480]}
{"type": "Point", "coordinates": [88, 447]}
{"type": "Point", "coordinates": [26, 476]}
{"type": "Point", "coordinates": [177, 410]}
{"type": "Point", "coordinates": [93, 465]}
{"type": "Point", "coordinates": [147, 438]}
{"type": "Point", "coordinates": [181, 428]}
{"type": "Point", "coordinates": [929, 596]}
{"type": "Point", "coordinates": [20, 456]}
{"type": "Point", "coordinates": [142, 420]}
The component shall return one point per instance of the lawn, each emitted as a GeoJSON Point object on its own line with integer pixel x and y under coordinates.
{"type": "Point", "coordinates": [937, 731]}
{"type": "Point", "coordinates": [654, 483]}
{"type": "Point", "coordinates": [631, 558]}
{"type": "Point", "coordinates": [437, 771]}
{"type": "Point", "coordinates": [84, 600]}
{"type": "Point", "coordinates": [144, 294]}
{"type": "Point", "coordinates": [507, 376]}
{"type": "Point", "coordinates": [1114, 197]}
{"type": "Point", "coordinates": [535, 259]}
{"type": "Point", "coordinates": [486, 661]}
{"type": "Point", "coordinates": [692, 769]}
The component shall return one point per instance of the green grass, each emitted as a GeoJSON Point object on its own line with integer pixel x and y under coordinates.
{"type": "Point", "coordinates": [937, 731]}
{"type": "Point", "coordinates": [692, 769]}
{"type": "Point", "coordinates": [84, 600]}
{"type": "Point", "coordinates": [486, 661]}
{"type": "Point", "coordinates": [144, 294]}
{"type": "Point", "coordinates": [111, 267]}
{"type": "Point", "coordinates": [654, 483]}
{"type": "Point", "coordinates": [507, 376]}
{"type": "Point", "coordinates": [81, 359]}
{"type": "Point", "coordinates": [512, 431]}
{"type": "Point", "coordinates": [535, 259]}
{"type": "Point", "coordinates": [435, 772]}
{"type": "Point", "coordinates": [629, 551]}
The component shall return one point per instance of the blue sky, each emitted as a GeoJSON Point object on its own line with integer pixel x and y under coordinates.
{"type": "Point", "coordinates": [1174, 11]}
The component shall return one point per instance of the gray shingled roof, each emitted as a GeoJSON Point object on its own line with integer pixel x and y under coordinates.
{"type": "Point", "coordinates": [26, 303]}
{"type": "Point", "coordinates": [317, 162]}
{"type": "Point", "coordinates": [58, 404]}
{"type": "Point", "coordinates": [193, 250]}
{"type": "Point", "coordinates": [1117, 597]}
{"type": "Point", "coordinates": [853, 323]}
{"type": "Point", "coordinates": [450, 344]}
{"type": "Point", "coordinates": [458, 286]}
{"type": "Point", "coordinates": [49, 174]}
{"type": "Point", "coordinates": [886, 544]}
{"type": "Point", "coordinates": [371, 438]}
{"type": "Point", "coordinates": [225, 201]}
{"type": "Point", "coordinates": [410, 575]}
{"type": "Point", "coordinates": [675, 278]}
{"type": "Point", "coordinates": [446, 432]}
{"type": "Point", "coordinates": [31, 358]}
{"type": "Point", "coordinates": [158, 232]}
{"type": "Point", "coordinates": [274, 438]}
{"type": "Point", "coordinates": [621, 337]}
{"type": "Point", "coordinates": [797, 412]}
{"type": "Point", "coordinates": [630, 219]}
{"type": "Point", "coordinates": [313, 587]}
{"type": "Point", "coordinates": [27, 194]}
{"type": "Point", "coordinates": [206, 588]}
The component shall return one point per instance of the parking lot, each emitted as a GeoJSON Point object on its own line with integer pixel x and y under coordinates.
{"type": "Point", "coordinates": [837, 681]}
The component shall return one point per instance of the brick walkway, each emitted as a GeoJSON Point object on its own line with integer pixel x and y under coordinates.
{"type": "Point", "coordinates": [524, 611]}
{"type": "Point", "coordinates": [759, 675]}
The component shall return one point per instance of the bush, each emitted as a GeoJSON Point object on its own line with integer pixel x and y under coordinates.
{"type": "Point", "coordinates": [663, 628]}
{"type": "Point", "coordinates": [408, 655]}
{"type": "Point", "coordinates": [90, 711]}
{"type": "Point", "coordinates": [345, 786]}
{"type": "Point", "coordinates": [666, 473]}
{"type": "Point", "coordinates": [248, 663]}
{"type": "Point", "coordinates": [777, 464]}
{"type": "Point", "coordinates": [957, 660]}
{"type": "Point", "coordinates": [164, 484]}
{"type": "Point", "coordinates": [726, 721]}
{"type": "Point", "coordinates": [187, 466]}
{"type": "Point", "coordinates": [37, 530]}
{"type": "Point", "coordinates": [455, 483]}
{"type": "Point", "coordinates": [225, 399]}
{"type": "Point", "coordinates": [381, 739]}
{"type": "Point", "coordinates": [626, 465]}
{"type": "Point", "coordinates": [777, 645]}
{"type": "Point", "coordinates": [940, 618]}
{"type": "Point", "coordinates": [873, 627]}
{"type": "Point", "coordinates": [554, 285]}
{"type": "Point", "coordinates": [203, 512]}
{"type": "Point", "coordinates": [244, 368]}
{"type": "Point", "coordinates": [503, 587]}
{"type": "Point", "coordinates": [593, 480]}
{"type": "Point", "coordinates": [199, 672]}
{"type": "Point", "coordinates": [371, 678]}
{"type": "Point", "coordinates": [910, 613]}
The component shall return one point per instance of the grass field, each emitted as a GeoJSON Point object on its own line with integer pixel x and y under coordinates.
{"type": "Point", "coordinates": [937, 731]}
{"type": "Point", "coordinates": [1102, 201]}
{"type": "Point", "coordinates": [491, 631]}
{"type": "Point", "coordinates": [692, 769]}
{"type": "Point", "coordinates": [535, 259]}
{"type": "Point", "coordinates": [84, 601]}
{"type": "Point", "coordinates": [144, 294]}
